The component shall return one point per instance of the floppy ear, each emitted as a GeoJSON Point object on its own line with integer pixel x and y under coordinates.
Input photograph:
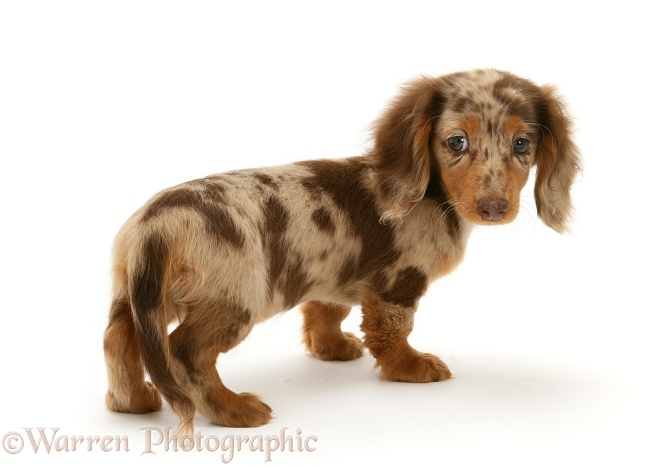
{"type": "Point", "coordinates": [557, 162]}
{"type": "Point", "coordinates": [400, 159]}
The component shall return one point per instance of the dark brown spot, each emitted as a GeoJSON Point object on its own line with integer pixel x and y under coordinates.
{"type": "Point", "coordinates": [323, 220]}
{"type": "Point", "coordinates": [275, 223]}
{"type": "Point", "coordinates": [342, 182]}
{"type": "Point", "coordinates": [218, 222]}
{"type": "Point", "coordinates": [214, 191]}
{"type": "Point", "coordinates": [266, 180]}
{"type": "Point", "coordinates": [148, 280]}
{"type": "Point", "coordinates": [408, 287]}
{"type": "Point", "coordinates": [236, 320]}
{"type": "Point", "coordinates": [286, 271]}
{"type": "Point", "coordinates": [184, 350]}
{"type": "Point", "coordinates": [490, 127]}
{"type": "Point", "coordinates": [462, 104]}
{"type": "Point", "coordinates": [295, 283]}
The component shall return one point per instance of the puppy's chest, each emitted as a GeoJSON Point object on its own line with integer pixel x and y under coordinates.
{"type": "Point", "coordinates": [431, 242]}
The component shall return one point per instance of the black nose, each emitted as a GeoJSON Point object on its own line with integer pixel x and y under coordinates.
{"type": "Point", "coordinates": [492, 209]}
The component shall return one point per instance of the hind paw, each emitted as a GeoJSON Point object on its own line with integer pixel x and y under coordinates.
{"type": "Point", "coordinates": [144, 400]}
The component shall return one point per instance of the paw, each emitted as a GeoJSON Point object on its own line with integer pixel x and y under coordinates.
{"type": "Point", "coordinates": [415, 367]}
{"type": "Point", "coordinates": [245, 410]}
{"type": "Point", "coordinates": [144, 400]}
{"type": "Point", "coordinates": [342, 346]}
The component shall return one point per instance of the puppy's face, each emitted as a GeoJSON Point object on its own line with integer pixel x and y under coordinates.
{"type": "Point", "coordinates": [485, 144]}
{"type": "Point", "coordinates": [479, 133]}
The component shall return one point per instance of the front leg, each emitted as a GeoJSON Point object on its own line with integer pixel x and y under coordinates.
{"type": "Point", "coordinates": [322, 333]}
{"type": "Point", "coordinates": [386, 326]}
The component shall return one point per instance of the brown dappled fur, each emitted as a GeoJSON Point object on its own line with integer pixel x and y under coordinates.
{"type": "Point", "coordinates": [557, 161]}
{"type": "Point", "coordinates": [220, 254]}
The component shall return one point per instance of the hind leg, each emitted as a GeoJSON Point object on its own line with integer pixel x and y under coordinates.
{"type": "Point", "coordinates": [128, 392]}
{"type": "Point", "coordinates": [196, 344]}
{"type": "Point", "coordinates": [322, 333]}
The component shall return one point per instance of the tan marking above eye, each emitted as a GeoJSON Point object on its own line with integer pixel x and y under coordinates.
{"type": "Point", "coordinates": [515, 124]}
{"type": "Point", "coordinates": [471, 125]}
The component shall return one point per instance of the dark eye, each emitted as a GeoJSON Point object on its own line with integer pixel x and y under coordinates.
{"type": "Point", "coordinates": [458, 143]}
{"type": "Point", "coordinates": [521, 146]}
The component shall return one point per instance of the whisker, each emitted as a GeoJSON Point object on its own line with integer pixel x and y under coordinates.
{"type": "Point", "coordinates": [542, 129]}
{"type": "Point", "coordinates": [446, 208]}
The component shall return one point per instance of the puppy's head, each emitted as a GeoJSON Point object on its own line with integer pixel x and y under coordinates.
{"type": "Point", "coordinates": [480, 133]}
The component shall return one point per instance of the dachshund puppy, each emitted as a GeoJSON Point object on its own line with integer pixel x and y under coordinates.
{"type": "Point", "coordinates": [223, 253]}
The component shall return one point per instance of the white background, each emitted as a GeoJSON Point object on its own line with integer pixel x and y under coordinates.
{"type": "Point", "coordinates": [552, 339]}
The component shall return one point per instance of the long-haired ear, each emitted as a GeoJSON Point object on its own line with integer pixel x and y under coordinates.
{"type": "Point", "coordinates": [400, 159]}
{"type": "Point", "coordinates": [557, 161]}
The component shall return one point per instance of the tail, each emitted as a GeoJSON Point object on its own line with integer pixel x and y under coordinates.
{"type": "Point", "coordinates": [147, 302]}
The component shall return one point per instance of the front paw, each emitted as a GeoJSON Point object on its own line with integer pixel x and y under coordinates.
{"type": "Point", "coordinates": [414, 367]}
{"type": "Point", "coordinates": [341, 346]}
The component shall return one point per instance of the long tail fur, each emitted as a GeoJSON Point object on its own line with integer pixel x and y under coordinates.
{"type": "Point", "coordinates": [147, 301]}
